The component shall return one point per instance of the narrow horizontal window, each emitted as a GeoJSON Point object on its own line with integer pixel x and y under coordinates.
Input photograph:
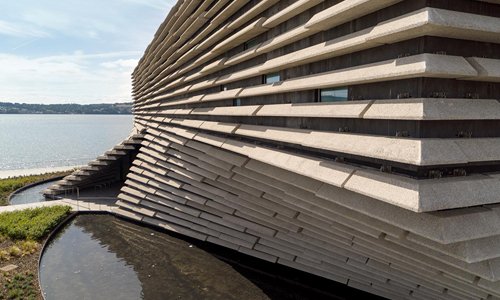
{"type": "Point", "coordinates": [223, 88]}
{"type": "Point", "coordinates": [333, 95]}
{"type": "Point", "coordinates": [237, 102]}
{"type": "Point", "coordinates": [273, 77]}
{"type": "Point", "coordinates": [250, 44]}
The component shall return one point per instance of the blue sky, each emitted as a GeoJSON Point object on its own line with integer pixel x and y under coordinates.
{"type": "Point", "coordinates": [74, 51]}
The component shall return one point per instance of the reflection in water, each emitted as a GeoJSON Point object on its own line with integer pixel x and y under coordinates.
{"type": "Point", "coordinates": [31, 195]}
{"type": "Point", "coordinates": [103, 257]}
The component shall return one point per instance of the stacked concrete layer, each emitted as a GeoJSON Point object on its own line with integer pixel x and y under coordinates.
{"type": "Point", "coordinates": [102, 171]}
{"type": "Point", "coordinates": [342, 190]}
{"type": "Point", "coordinates": [428, 21]}
{"type": "Point", "coordinates": [195, 186]}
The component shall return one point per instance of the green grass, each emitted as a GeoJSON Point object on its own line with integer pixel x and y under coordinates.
{"type": "Point", "coordinates": [32, 224]}
{"type": "Point", "coordinates": [16, 293]}
{"type": "Point", "coordinates": [19, 288]}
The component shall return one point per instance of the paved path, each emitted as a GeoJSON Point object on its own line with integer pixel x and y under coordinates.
{"type": "Point", "coordinates": [83, 204]}
{"type": "Point", "coordinates": [16, 173]}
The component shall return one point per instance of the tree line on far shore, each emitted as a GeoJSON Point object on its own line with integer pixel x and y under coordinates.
{"type": "Point", "coordinates": [25, 108]}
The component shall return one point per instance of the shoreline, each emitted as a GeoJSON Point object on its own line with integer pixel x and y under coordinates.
{"type": "Point", "coordinates": [26, 172]}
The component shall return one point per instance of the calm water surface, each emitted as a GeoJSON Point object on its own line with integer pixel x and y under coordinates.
{"type": "Point", "coordinates": [31, 195]}
{"type": "Point", "coordinates": [42, 141]}
{"type": "Point", "coordinates": [103, 257]}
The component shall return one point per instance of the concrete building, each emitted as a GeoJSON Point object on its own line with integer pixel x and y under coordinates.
{"type": "Point", "coordinates": [358, 140]}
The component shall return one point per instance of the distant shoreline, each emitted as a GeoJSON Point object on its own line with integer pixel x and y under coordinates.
{"type": "Point", "coordinates": [66, 109]}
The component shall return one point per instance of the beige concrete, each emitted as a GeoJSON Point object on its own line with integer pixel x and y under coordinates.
{"type": "Point", "coordinates": [284, 39]}
{"type": "Point", "coordinates": [437, 22]}
{"type": "Point", "coordinates": [290, 11]}
{"type": "Point", "coordinates": [425, 195]}
{"type": "Point", "coordinates": [213, 67]}
{"type": "Point", "coordinates": [248, 110]}
{"type": "Point", "coordinates": [406, 150]}
{"type": "Point", "coordinates": [445, 227]}
{"type": "Point", "coordinates": [316, 110]}
{"type": "Point", "coordinates": [387, 234]}
{"type": "Point", "coordinates": [318, 169]}
{"type": "Point", "coordinates": [487, 69]}
{"type": "Point", "coordinates": [400, 109]}
{"type": "Point", "coordinates": [219, 127]}
{"type": "Point", "coordinates": [241, 36]}
{"type": "Point", "coordinates": [484, 27]}
{"type": "Point", "coordinates": [434, 109]}
{"type": "Point", "coordinates": [422, 65]}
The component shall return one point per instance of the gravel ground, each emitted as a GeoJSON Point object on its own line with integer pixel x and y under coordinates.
{"type": "Point", "coordinates": [27, 267]}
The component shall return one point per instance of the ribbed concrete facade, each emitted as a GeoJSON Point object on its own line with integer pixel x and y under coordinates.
{"type": "Point", "coordinates": [357, 140]}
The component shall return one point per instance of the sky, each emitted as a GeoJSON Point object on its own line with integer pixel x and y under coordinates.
{"type": "Point", "coordinates": [74, 51]}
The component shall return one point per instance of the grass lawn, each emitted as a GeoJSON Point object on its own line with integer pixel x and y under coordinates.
{"type": "Point", "coordinates": [22, 234]}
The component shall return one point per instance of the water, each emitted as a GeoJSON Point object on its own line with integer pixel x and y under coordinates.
{"type": "Point", "coordinates": [103, 257]}
{"type": "Point", "coordinates": [43, 141]}
{"type": "Point", "coordinates": [30, 195]}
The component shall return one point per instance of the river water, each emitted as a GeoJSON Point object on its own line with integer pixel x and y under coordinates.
{"type": "Point", "coordinates": [44, 141]}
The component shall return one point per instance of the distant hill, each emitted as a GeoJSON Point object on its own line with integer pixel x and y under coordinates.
{"type": "Point", "coordinates": [24, 108]}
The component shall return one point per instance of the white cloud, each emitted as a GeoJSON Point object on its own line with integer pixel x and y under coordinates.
{"type": "Point", "coordinates": [55, 41]}
{"type": "Point", "coordinates": [70, 78]}
{"type": "Point", "coordinates": [21, 29]}
{"type": "Point", "coordinates": [156, 4]}
{"type": "Point", "coordinates": [92, 34]}
{"type": "Point", "coordinates": [81, 19]}
{"type": "Point", "coordinates": [49, 19]}
{"type": "Point", "coordinates": [27, 43]}
{"type": "Point", "coordinates": [127, 63]}
{"type": "Point", "coordinates": [80, 56]}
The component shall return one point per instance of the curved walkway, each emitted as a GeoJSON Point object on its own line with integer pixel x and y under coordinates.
{"type": "Point", "coordinates": [82, 204]}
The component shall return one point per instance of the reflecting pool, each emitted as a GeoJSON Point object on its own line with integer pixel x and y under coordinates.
{"type": "Point", "coordinates": [104, 257]}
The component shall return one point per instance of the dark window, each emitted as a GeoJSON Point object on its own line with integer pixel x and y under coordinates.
{"type": "Point", "coordinates": [223, 88]}
{"type": "Point", "coordinates": [250, 44]}
{"type": "Point", "coordinates": [333, 95]}
{"type": "Point", "coordinates": [237, 102]}
{"type": "Point", "coordinates": [272, 77]}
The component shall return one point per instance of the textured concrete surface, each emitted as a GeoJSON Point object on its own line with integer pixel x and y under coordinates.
{"type": "Point", "coordinates": [344, 11]}
{"type": "Point", "coordinates": [424, 152]}
{"type": "Point", "coordinates": [315, 110]}
{"type": "Point", "coordinates": [422, 65]}
{"type": "Point", "coordinates": [487, 69]}
{"type": "Point", "coordinates": [426, 195]}
{"type": "Point", "coordinates": [237, 177]}
{"type": "Point", "coordinates": [428, 21]}
{"type": "Point", "coordinates": [434, 109]}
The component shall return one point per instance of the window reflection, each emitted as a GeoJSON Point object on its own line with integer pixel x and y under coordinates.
{"type": "Point", "coordinates": [273, 77]}
{"type": "Point", "coordinates": [250, 44]}
{"type": "Point", "coordinates": [333, 94]}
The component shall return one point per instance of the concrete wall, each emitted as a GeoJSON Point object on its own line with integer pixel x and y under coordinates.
{"type": "Point", "coordinates": [394, 192]}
